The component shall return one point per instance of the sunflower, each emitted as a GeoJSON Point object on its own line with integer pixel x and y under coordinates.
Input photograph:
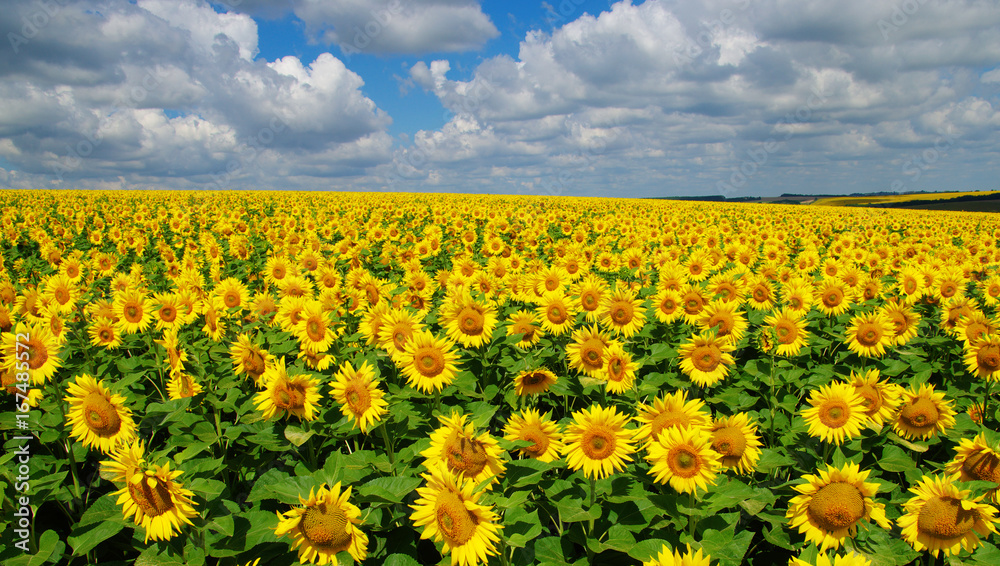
{"type": "Point", "coordinates": [760, 294]}
{"type": "Point", "coordinates": [523, 324]}
{"type": "Point", "coordinates": [974, 326]}
{"type": "Point", "coordinates": [669, 411]}
{"type": "Point", "coordinates": [910, 285]}
{"type": "Point", "coordinates": [619, 369]}
{"type": "Point", "coordinates": [151, 494]}
{"type": "Point", "coordinates": [182, 385]}
{"type": "Point", "coordinates": [789, 329]}
{"type": "Point", "coordinates": [287, 394]}
{"type": "Point", "coordinates": [982, 358]}
{"type": "Point", "coordinates": [904, 321]}
{"type": "Point", "coordinates": [176, 356]}
{"type": "Point", "coordinates": [534, 381]}
{"type": "Point", "coordinates": [428, 362]}
{"type": "Point", "coordinates": [372, 320]}
{"type": "Point", "coordinates": [61, 291]}
{"type": "Point", "coordinates": [358, 394]}
{"type": "Point", "coordinates": [456, 445]}
{"type": "Point", "coordinates": [923, 413]}
{"type": "Point", "coordinates": [468, 321]}
{"type": "Point", "coordinates": [880, 399]}
{"type": "Point", "coordinates": [667, 306]}
{"type": "Point", "coordinates": [836, 414]}
{"type": "Point", "coordinates": [530, 426]}
{"type": "Point", "coordinates": [706, 359]}
{"type": "Point", "coordinates": [976, 460]}
{"type": "Point", "coordinates": [849, 559]}
{"type": "Point", "coordinates": [250, 359]}
{"type": "Point", "coordinates": [831, 505]}
{"type": "Point", "coordinates": [325, 524]}
{"type": "Point", "coordinates": [598, 442]}
{"type": "Point", "coordinates": [942, 517]}
{"type": "Point", "coordinates": [869, 334]}
{"type": "Point", "coordinates": [32, 344]}
{"type": "Point", "coordinates": [586, 352]}
{"type": "Point", "coordinates": [167, 313]}
{"type": "Point", "coordinates": [314, 328]}
{"type": "Point", "coordinates": [99, 418]}
{"type": "Point", "coordinates": [797, 296]}
{"type": "Point", "coordinates": [622, 313]}
{"type": "Point", "coordinates": [667, 557]}
{"type": "Point", "coordinates": [448, 509]}
{"type": "Point", "coordinates": [556, 312]}
{"type": "Point", "coordinates": [214, 327]}
{"type": "Point", "coordinates": [683, 457]}
{"type": "Point", "coordinates": [133, 310]}
{"type": "Point", "coordinates": [737, 443]}
{"type": "Point", "coordinates": [693, 301]}
{"type": "Point", "coordinates": [592, 291]}
{"type": "Point", "coordinates": [833, 297]}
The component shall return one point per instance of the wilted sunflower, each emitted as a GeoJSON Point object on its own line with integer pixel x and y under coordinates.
{"type": "Point", "coordinates": [706, 359]}
{"type": "Point", "coordinates": [428, 362]}
{"type": "Point", "coordinates": [982, 357]}
{"type": "Point", "coordinates": [837, 413]}
{"type": "Point", "coordinates": [41, 347]}
{"type": "Point", "coordinates": [790, 332]}
{"type": "Point", "coordinates": [976, 460]}
{"type": "Point", "coordinates": [456, 445]}
{"type": "Point", "coordinates": [556, 312]}
{"type": "Point", "coordinates": [534, 381]}
{"type": "Point", "coordinates": [598, 442]}
{"type": "Point", "coordinates": [683, 457]}
{"type": "Point", "coordinates": [288, 394]}
{"type": "Point", "coordinates": [737, 443]}
{"type": "Point", "coordinates": [870, 334]}
{"type": "Point", "coordinates": [99, 418]}
{"type": "Point", "coordinates": [586, 352]}
{"type": "Point", "coordinates": [448, 509]}
{"type": "Point", "coordinates": [530, 426]}
{"type": "Point", "coordinates": [879, 398]}
{"type": "Point", "coordinates": [250, 359]}
{"type": "Point", "coordinates": [358, 394]}
{"type": "Point", "coordinates": [923, 413]}
{"type": "Point", "coordinates": [325, 524]}
{"type": "Point", "coordinates": [832, 505]}
{"type": "Point", "coordinates": [667, 557]}
{"type": "Point", "coordinates": [151, 494]}
{"type": "Point", "coordinates": [669, 411]}
{"type": "Point", "coordinates": [942, 517]}
{"type": "Point", "coordinates": [619, 369]}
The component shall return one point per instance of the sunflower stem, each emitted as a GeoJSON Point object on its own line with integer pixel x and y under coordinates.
{"type": "Point", "coordinates": [388, 447]}
{"type": "Point", "coordinates": [593, 499]}
{"type": "Point", "coordinates": [986, 401]}
{"type": "Point", "coordinates": [692, 518]}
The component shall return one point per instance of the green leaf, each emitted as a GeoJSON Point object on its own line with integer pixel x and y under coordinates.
{"type": "Point", "coordinates": [400, 560]}
{"type": "Point", "coordinates": [48, 544]}
{"type": "Point", "coordinates": [647, 550]}
{"type": "Point", "coordinates": [894, 459]}
{"type": "Point", "coordinates": [155, 555]}
{"type": "Point", "coordinates": [388, 489]}
{"type": "Point", "coordinates": [99, 523]}
{"type": "Point", "coordinates": [297, 436]}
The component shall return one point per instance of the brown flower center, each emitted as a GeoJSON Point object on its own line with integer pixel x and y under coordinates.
{"type": "Point", "coordinates": [599, 442]}
{"type": "Point", "coordinates": [982, 466]}
{"type": "Point", "coordinates": [836, 506]}
{"type": "Point", "coordinates": [289, 396]}
{"type": "Point", "coordinates": [456, 523]}
{"type": "Point", "coordinates": [556, 314]}
{"type": "Point", "coordinates": [326, 525]}
{"type": "Point", "coordinates": [100, 415]}
{"type": "Point", "coordinates": [153, 501]}
{"type": "Point", "coordinates": [465, 455]}
{"type": "Point", "coordinates": [683, 461]}
{"type": "Point", "coordinates": [944, 518]}
{"type": "Point", "coordinates": [590, 300]}
{"type": "Point", "coordinates": [870, 398]}
{"type": "Point", "coordinates": [834, 413]}
{"type": "Point", "coordinates": [988, 358]}
{"type": "Point", "coordinates": [471, 321]}
{"type": "Point", "coordinates": [358, 397]}
{"type": "Point", "coordinates": [706, 358]}
{"type": "Point", "coordinates": [869, 334]}
{"type": "Point", "coordinates": [38, 354]}
{"type": "Point", "coordinates": [429, 361]}
{"type": "Point", "coordinates": [730, 442]}
{"type": "Point", "coordinates": [533, 433]}
{"type": "Point", "coordinates": [921, 414]}
{"type": "Point", "coordinates": [621, 313]}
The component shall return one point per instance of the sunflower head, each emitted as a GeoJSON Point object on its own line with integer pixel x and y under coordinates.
{"type": "Point", "coordinates": [324, 524]}
{"type": "Point", "coordinates": [684, 458]}
{"type": "Point", "coordinates": [836, 413]}
{"type": "Point", "coordinates": [940, 516]}
{"type": "Point", "coordinates": [597, 442]}
{"type": "Point", "coordinates": [99, 418]}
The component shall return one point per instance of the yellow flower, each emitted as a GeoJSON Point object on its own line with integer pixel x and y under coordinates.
{"type": "Point", "coordinates": [99, 418]}
{"type": "Point", "coordinates": [832, 505]}
{"type": "Point", "coordinates": [879, 398]}
{"type": "Point", "coordinates": [31, 348]}
{"type": "Point", "coordinates": [684, 458]}
{"type": "Point", "coordinates": [849, 559]}
{"type": "Point", "coordinates": [158, 502]}
{"type": "Point", "coordinates": [667, 557]}
{"type": "Point", "coordinates": [836, 414]}
{"type": "Point", "coordinates": [725, 319]}
{"type": "Point", "coordinates": [586, 352]}
{"type": "Point", "coordinates": [469, 322]}
{"type": "Point", "coordinates": [556, 312]}
{"type": "Point", "coordinates": [534, 382]}
{"type": "Point", "coordinates": [288, 395]}
{"type": "Point", "coordinates": [737, 443]}
{"type": "Point", "coordinates": [706, 359]}
{"type": "Point", "coordinates": [358, 394]}
{"type": "Point", "coordinates": [622, 313]}
{"type": "Point", "coordinates": [325, 524]}
{"type": "Point", "coordinates": [428, 362]}
{"type": "Point", "coordinates": [789, 329]}
{"type": "Point", "coordinates": [982, 357]}
{"type": "Point", "coordinates": [923, 414]}
{"type": "Point", "coordinates": [942, 517]}
{"type": "Point", "coordinates": [598, 442]}
{"type": "Point", "coordinates": [870, 334]}
{"type": "Point", "coordinates": [182, 385]}
{"type": "Point", "coordinates": [313, 329]}
{"type": "Point", "coordinates": [456, 445]}
{"type": "Point", "coordinates": [668, 411]}
{"type": "Point", "coordinates": [976, 460]}
{"type": "Point", "coordinates": [523, 324]}
{"type": "Point", "coordinates": [249, 359]}
{"type": "Point", "coordinates": [133, 310]}
{"type": "Point", "coordinates": [619, 369]}
{"type": "Point", "coordinates": [530, 426]}
{"type": "Point", "coordinates": [448, 509]}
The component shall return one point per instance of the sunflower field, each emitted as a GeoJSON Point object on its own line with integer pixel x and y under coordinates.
{"type": "Point", "coordinates": [274, 378]}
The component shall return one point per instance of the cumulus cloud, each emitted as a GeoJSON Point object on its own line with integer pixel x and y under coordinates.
{"type": "Point", "coordinates": [171, 93]}
{"type": "Point", "coordinates": [683, 97]}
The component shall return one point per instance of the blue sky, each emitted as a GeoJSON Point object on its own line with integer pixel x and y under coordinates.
{"type": "Point", "coordinates": [578, 97]}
